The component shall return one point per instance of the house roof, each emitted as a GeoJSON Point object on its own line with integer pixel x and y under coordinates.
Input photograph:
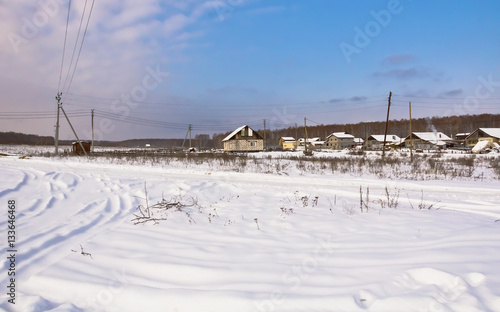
{"type": "Point", "coordinates": [359, 140]}
{"type": "Point", "coordinates": [309, 140]}
{"type": "Point", "coordinates": [288, 139]}
{"type": "Point", "coordinates": [433, 137]}
{"type": "Point", "coordinates": [380, 138]}
{"type": "Point", "coordinates": [318, 142]}
{"type": "Point", "coordinates": [493, 132]}
{"type": "Point", "coordinates": [230, 136]}
{"type": "Point", "coordinates": [341, 135]}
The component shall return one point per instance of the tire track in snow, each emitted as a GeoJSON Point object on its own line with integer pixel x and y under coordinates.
{"type": "Point", "coordinates": [26, 177]}
{"type": "Point", "coordinates": [69, 226]}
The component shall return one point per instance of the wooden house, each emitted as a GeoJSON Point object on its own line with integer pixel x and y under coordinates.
{"type": "Point", "coordinates": [376, 141]}
{"type": "Point", "coordinates": [243, 139]}
{"type": "Point", "coordinates": [428, 140]}
{"type": "Point", "coordinates": [483, 134]}
{"type": "Point", "coordinates": [77, 149]}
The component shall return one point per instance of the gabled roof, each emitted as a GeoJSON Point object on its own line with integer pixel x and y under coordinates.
{"type": "Point", "coordinates": [432, 137]}
{"type": "Point", "coordinates": [230, 136]}
{"type": "Point", "coordinates": [389, 138]}
{"type": "Point", "coordinates": [341, 135]}
{"type": "Point", "coordinates": [492, 132]}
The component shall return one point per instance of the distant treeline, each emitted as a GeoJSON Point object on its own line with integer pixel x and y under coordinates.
{"type": "Point", "coordinates": [448, 125]}
{"type": "Point", "coordinates": [21, 138]}
{"type": "Point", "coordinates": [33, 139]}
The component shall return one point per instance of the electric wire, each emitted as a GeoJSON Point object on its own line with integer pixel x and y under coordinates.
{"type": "Point", "coordinates": [64, 47]}
{"type": "Point", "coordinates": [76, 44]}
{"type": "Point", "coordinates": [81, 46]}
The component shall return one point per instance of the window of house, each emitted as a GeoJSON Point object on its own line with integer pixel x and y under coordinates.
{"type": "Point", "coordinates": [243, 132]}
{"type": "Point", "coordinates": [250, 132]}
{"type": "Point", "coordinates": [253, 143]}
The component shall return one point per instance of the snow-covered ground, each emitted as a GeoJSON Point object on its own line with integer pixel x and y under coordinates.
{"type": "Point", "coordinates": [280, 240]}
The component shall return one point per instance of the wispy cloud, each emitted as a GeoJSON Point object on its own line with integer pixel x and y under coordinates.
{"type": "Point", "coordinates": [358, 98]}
{"type": "Point", "coordinates": [336, 100]}
{"type": "Point", "coordinates": [452, 93]}
{"type": "Point", "coordinates": [404, 74]}
{"type": "Point", "coordinates": [398, 59]}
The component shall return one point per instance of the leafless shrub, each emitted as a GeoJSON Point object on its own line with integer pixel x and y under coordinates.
{"type": "Point", "coordinates": [494, 164]}
{"type": "Point", "coordinates": [391, 199]}
{"type": "Point", "coordinates": [159, 211]}
{"type": "Point", "coordinates": [364, 204]}
{"type": "Point", "coordinates": [423, 204]}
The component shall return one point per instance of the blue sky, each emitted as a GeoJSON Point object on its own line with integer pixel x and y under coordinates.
{"type": "Point", "coordinates": [223, 63]}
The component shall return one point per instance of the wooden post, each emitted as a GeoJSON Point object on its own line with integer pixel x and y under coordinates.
{"type": "Point", "coordinates": [74, 132]}
{"type": "Point", "coordinates": [264, 135]}
{"type": "Point", "coordinates": [305, 137]}
{"type": "Point", "coordinates": [386, 124]}
{"type": "Point", "coordinates": [58, 98]}
{"type": "Point", "coordinates": [296, 136]}
{"type": "Point", "coordinates": [411, 139]}
{"type": "Point", "coordinates": [92, 146]}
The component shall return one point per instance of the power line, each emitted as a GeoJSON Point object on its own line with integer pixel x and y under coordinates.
{"type": "Point", "coordinates": [64, 47]}
{"type": "Point", "coordinates": [436, 97]}
{"type": "Point", "coordinates": [76, 43]}
{"type": "Point", "coordinates": [81, 45]}
{"type": "Point", "coordinates": [39, 115]}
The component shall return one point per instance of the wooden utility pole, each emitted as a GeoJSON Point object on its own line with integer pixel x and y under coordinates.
{"type": "Point", "coordinates": [58, 98]}
{"type": "Point", "coordinates": [92, 146]}
{"type": "Point", "coordinates": [190, 128]}
{"type": "Point", "coordinates": [296, 135]}
{"type": "Point", "coordinates": [265, 142]}
{"type": "Point", "coordinates": [306, 152]}
{"type": "Point", "coordinates": [411, 139]}
{"type": "Point", "coordinates": [185, 138]}
{"type": "Point", "coordinates": [74, 132]}
{"type": "Point", "coordinates": [386, 124]}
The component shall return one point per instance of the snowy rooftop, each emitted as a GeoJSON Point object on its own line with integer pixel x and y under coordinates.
{"type": "Point", "coordinates": [234, 133]}
{"type": "Point", "coordinates": [288, 139]}
{"type": "Point", "coordinates": [432, 136]}
{"type": "Point", "coordinates": [341, 135]}
{"type": "Point", "coordinates": [389, 138]}
{"type": "Point", "coordinates": [493, 132]}
{"type": "Point", "coordinates": [309, 139]}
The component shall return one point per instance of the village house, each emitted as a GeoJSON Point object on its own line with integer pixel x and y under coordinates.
{"type": "Point", "coordinates": [483, 139]}
{"type": "Point", "coordinates": [339, 140]}
{"type": "Point", "coordinates": [243, 139]}
{"type": "Point", "coordinates": [287, 143]}
{"type": "Point", "coordinates": [483, 134]}
{"type": "Point", "coordinates": [376, 141]}
{"type": "Point", "coordinates": [428, 140]}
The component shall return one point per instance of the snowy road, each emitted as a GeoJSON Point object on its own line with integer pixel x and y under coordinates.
{"type": "Point", "coordinates": [255, 242]}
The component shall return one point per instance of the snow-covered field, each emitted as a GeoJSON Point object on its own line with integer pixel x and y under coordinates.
{"type": "Point", "coordinates": [280, 240]}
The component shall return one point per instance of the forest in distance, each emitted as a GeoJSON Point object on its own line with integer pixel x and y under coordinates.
{"type": "Point", "coordinates": [449, 125]}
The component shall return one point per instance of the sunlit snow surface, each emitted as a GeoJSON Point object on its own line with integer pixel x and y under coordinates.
{"type": "Point", "coordinates": [254, 242]}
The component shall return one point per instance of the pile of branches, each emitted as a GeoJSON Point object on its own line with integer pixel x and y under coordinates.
{"type": "Point", "coordinates": [159, 211]}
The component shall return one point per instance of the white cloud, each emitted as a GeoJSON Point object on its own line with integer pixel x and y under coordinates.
{"type": "Point", "coordinates": [124, 37]}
